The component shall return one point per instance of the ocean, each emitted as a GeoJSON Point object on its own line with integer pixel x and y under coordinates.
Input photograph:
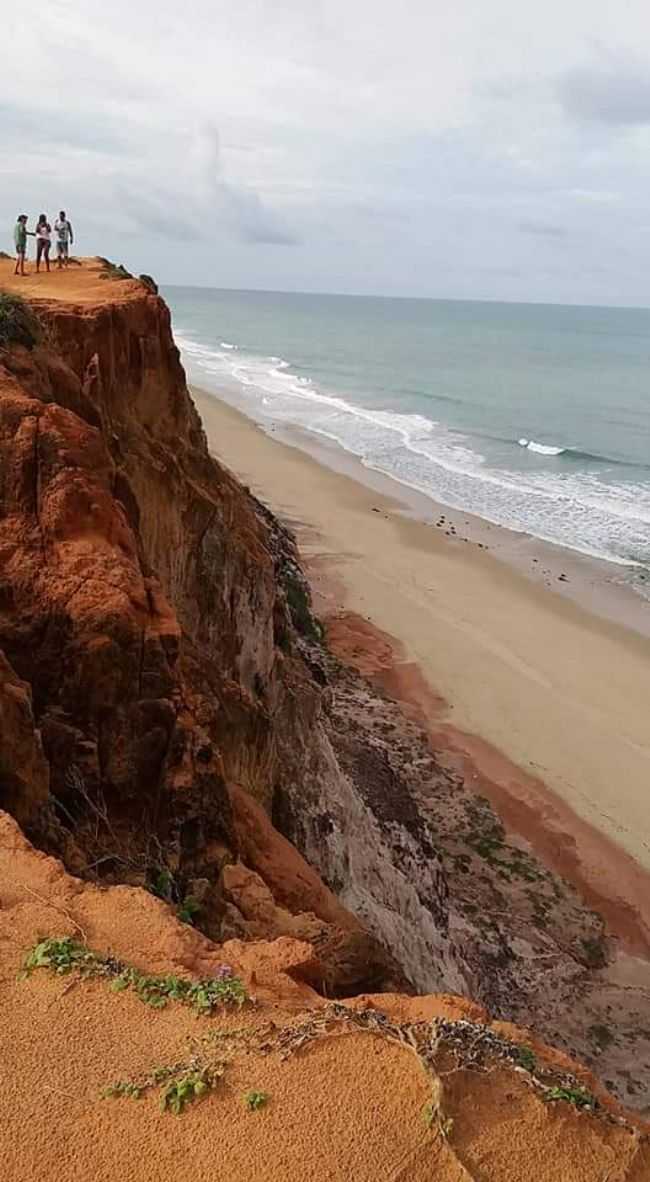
{"type": "Point", "coordinates": [535, 417]}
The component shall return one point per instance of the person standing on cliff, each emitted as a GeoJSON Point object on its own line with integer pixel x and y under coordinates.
{"type": "Point", "coordinates": [64, 239]}
{"type": "Point", "coordinates": [43, 242]}
{"type": "Point", "coordinates": [20, 242]}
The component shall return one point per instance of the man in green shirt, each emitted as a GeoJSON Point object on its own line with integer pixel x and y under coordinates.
{"type": "Point", "coordinates": [20, 242]}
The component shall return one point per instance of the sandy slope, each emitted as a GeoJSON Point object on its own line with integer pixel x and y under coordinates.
{"type": "Point", "coordinates": [561, 694]}
{"type": "Point", "coordinates": [345, 1107]}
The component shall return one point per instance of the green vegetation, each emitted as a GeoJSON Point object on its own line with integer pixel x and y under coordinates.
{"type": "Point", "coordinates": [123, 1087]}
{"type": "Point", "coordinates": [163, 885]}
{"type": "Point", "coordinates": [113, 270]}
{"type": "Point", "coordinates": [300, 608]}
{"type": "Point", "coordinates": [578, 1096]}
{"type": "Point", "coordinates": [65, 955]}
{"type": "Point", "coordinates": [602, 1035]}
{"type": "Point", "coordinates": [255, 1100]}
{"type": "Point", "coordinates": [594, 953]}
{"type": "Point", "coordinates": [180, 1084]}
{"type": "Point", "coordinates": [188, 909]}
{"type": "Point", "coordinates": [18, 324]}
{"type": "Point", "coordinates": [432, 1116]}
{"type": "Point", "coordinates": [525, 1058]}
{"type": "Point", "coordinates": [185, 1090]}
{"type": "Point", "coordinates": [149, 283]}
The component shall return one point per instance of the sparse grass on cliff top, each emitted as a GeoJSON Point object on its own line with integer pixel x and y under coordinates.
{"type": "Point", "coordinates": [113, 270]}
{"type": "Point", "coordinates": [18, 324]}
{"type": "Point", "coordinates": [63, 955]}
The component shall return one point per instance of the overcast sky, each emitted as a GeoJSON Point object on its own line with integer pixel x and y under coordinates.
{"type": "Point", "coordinates": [490, 149]}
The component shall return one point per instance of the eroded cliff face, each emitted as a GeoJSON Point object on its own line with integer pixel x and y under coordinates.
{"type": "Point", "coordinates": [150, 661]}
{"type": "Point", "coordinates": [163, 689]}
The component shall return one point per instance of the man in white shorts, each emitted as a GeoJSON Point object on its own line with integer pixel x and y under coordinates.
{"type": "Point", "coordinates": [64, 239]}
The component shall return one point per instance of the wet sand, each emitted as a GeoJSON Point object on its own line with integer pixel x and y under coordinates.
{"type": "Point", "coordinates": [538, 698]}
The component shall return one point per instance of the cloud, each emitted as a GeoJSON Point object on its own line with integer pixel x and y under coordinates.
{"type": "Point", "coordinates": [542, 229]}
{"type": "Point", "coordinates": [417, 150]}
{"type": "Point", "coordinates": [616, 94]}
{"type": "Point", "coordinates": [240, 208]}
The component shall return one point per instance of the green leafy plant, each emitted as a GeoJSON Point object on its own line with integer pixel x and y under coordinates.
{"type": "Point", "coordinates": [525, 1057]}
{"type": "Point", "coordinates": [18, 324]}
{"type": "Point", "coordinates": [123, 1087]}
{"type": "Point", "coordinates": [64, 955]}
{"type": "Point", "coordinates": [61, 955]}
{"type": "Point", "coordinates": [255, 1100]}
{"type": "Point", "coordinates": [188, 909]}
{"type": "Point", "coordinates": [579, 1097]}
{"type": "Point", "coordinates": [185, 1090]}
{"type": "Point", "coordinates": [180, 1084]}
{"type": "Point", "coordinates": [162, 884]}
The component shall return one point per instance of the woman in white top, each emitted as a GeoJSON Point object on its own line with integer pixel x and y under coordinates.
{"type": "Point", "coordinates": [43, 241]}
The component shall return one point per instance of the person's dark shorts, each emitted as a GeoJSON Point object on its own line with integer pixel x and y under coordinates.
{"type": "Point", "coordinates": [62, 248]}
{"type": "Point", "coordinates": [42, 249]}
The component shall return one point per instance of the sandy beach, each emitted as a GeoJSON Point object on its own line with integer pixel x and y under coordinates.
{"type": "Point", "coordinates": [540, 700]}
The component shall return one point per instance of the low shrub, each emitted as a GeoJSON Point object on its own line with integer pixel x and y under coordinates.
{"type": "Point", "coordinates": [149, 283]}
{"type": "Point", "coordinates": [18, 324]}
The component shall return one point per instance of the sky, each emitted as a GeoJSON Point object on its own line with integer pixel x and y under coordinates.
{"type": "Point", "coordinates": [485, 149]}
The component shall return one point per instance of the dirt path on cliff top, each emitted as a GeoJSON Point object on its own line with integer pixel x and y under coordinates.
{"type": "Point", "coordinates": [346, 1106]}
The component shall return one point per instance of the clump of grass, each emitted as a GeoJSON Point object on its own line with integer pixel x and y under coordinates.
{"type": "Point", "coordinates": [188, 909]}
{"type": "Point", "coordinates": [163, 885]}
{"type": "Point", "coordinates": [578, 1096]}
{"type": "Point", "coordinates": [186, 1090]}
{"type": "Point", "coordinates": [63, 955]}
{"type": "Point", "coordinates": [18, 324]}
{"type": "Point", "coordinates": [180, 1084]}
{"type": "Point", "coordinates": [594, 952]}
{"type": "Point", "coordinates": [123, 1087]}
{"type": "Point", "coordinates": [149, 283]}
{"type": "Point", "coordinates": [113, 270]}
{"type": "Point", "coordinates": [525, 1058]}
{"type": "Point", "coordinates": [255, 1100]}
{"type": "Point", "coordinates": [602, 1035]}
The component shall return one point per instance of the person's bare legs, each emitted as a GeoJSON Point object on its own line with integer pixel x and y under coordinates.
{"type": "Point", "coordinates": [46, 252]}
{"type": "Point", "coordinates": [20, 265]}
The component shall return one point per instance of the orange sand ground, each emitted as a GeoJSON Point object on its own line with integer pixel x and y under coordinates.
{"type": "Point", "coordinates": [346, 1107]}
{"type": "Point", "coordinates": [79, 284]}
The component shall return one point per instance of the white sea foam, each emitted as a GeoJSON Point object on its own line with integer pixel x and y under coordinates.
{"type": "Point", "coordinates": [574, 508]}
{"type": "Point", "coordinates": [542, 449]}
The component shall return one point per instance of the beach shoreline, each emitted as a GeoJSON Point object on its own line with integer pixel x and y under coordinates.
{"type": "Point", "coordinates": [537, 695]}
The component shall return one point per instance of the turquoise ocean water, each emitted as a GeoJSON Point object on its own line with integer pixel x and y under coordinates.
{"type": "Point", "coordinates": [535, 417]}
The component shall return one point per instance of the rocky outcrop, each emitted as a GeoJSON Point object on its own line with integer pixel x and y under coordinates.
{"type": "Point", "coordinates": [24, 771]}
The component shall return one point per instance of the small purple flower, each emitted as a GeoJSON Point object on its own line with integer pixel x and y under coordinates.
{"type": "Point", "coordinates": [224, 970]}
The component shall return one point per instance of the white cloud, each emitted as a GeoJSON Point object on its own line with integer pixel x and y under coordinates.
{"type": "Point", "coordinates": [355, 145]}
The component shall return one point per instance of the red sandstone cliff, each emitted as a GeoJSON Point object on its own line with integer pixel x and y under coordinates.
{"type": "Point", "coordinates": [162, 692]}
{"type": "Point", "coordinates": [149, 660]}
